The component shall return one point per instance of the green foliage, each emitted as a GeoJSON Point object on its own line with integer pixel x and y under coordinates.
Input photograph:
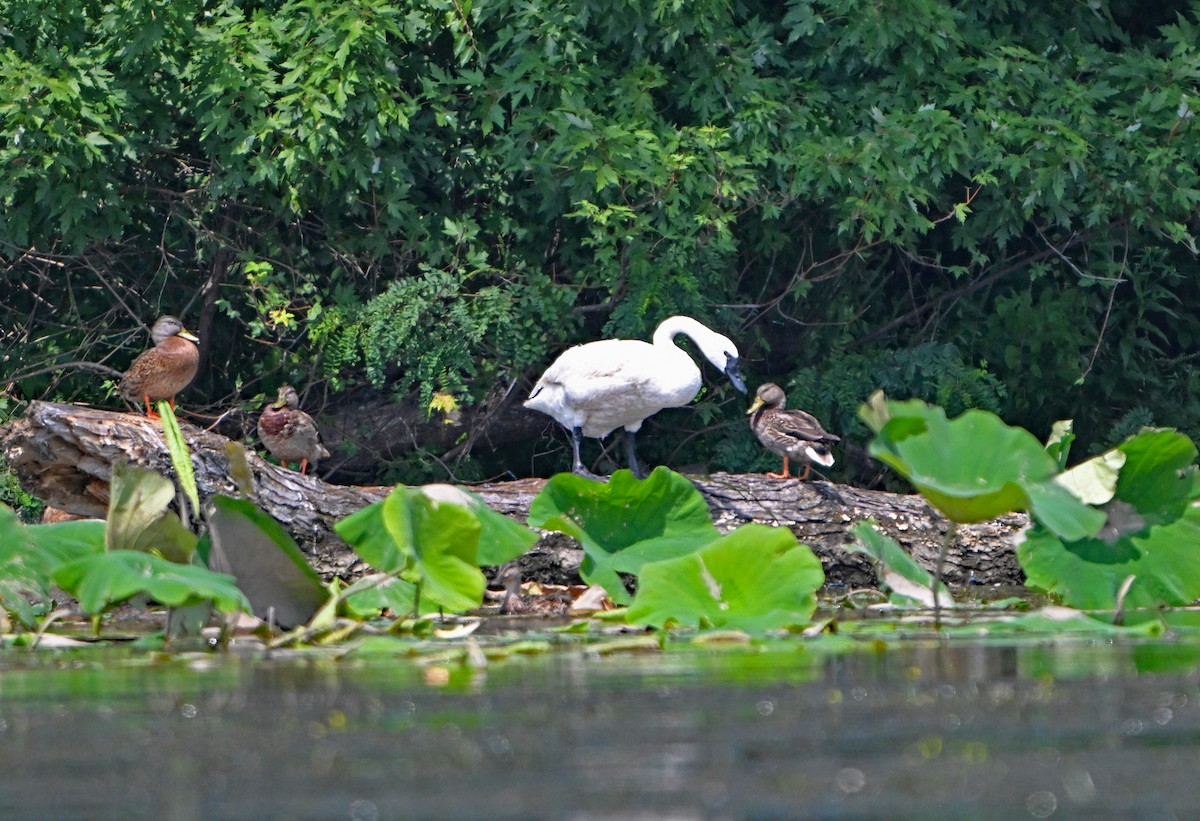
{"type": "Point", "coordinates": [181, 458]}
{"type": "Point", "coordinates": [1152, 534]}
{"type": "Point", "coordinates": [756, 578]}
{"type": "Point", "coordinates": [624, 523]}
{"type": "Point", "coordinates": [113, 576]}
{"type": "Point", "coordinates": [440, 197]}
{"type": "Point", "coordinates": [25, 579]}
{"type": "Point", "coordinates": [501, 539]}
{"type": "Point", "coordinates": [264, 561]}
{"type": "Point", "coordinates": [29, 554]}
{"type": "Point", "coordinates": [436, 538]}
{"type": "Point", "coordinates": [73, 555]}
{"type": "Point", "coordinates": [14, 496]}
{"type": "Point", "coordinates": [907, 581]}
{"type": "Point", "coordinates": [372, 594]}
{"type": "Point", "coordinates": [1118, 529]}
{"type": "Point", "coordinates": [139, 517]}
{"type": "Point", "coordinates": [974, 467]}
{"type": "Point", "coordinates": [67, 541]}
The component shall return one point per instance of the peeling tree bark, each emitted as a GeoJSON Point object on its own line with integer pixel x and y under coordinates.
{"type": "Point", "coordinates": [64, 454]}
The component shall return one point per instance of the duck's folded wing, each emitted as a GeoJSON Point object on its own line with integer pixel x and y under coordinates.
{"type": "Point", "coordinates": [803, 426]}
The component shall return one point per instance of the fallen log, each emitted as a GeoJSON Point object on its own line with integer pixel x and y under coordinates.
{"type": "Point", "coordinates": [64, 455]}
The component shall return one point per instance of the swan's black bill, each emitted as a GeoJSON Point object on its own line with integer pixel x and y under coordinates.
{"type": "Point", "coordinates": [734, 373]}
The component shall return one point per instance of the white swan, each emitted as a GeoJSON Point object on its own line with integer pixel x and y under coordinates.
{"type": "Point", "coordinates": [593, 389]}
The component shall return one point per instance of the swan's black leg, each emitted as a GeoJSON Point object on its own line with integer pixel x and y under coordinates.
{"type": "Point", "coordinates": [631, 456]}
{"type": "Point", "coordinates": [577, 468]}
{"type": "Point", "coordinates": [576, 441]}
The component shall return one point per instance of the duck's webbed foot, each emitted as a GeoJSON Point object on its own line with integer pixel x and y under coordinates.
{"type": "Point", "coordinates": [786, 474]}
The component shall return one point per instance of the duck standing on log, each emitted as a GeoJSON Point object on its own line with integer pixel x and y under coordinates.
{"type": "Point", "coordinates": [790, 433]}
{"type": "Point", "coordinates": [290, 434]}
{"type": "Point", "coordinates": [595, 388]}
{"type": "Point", "coordinates": [164, 370]}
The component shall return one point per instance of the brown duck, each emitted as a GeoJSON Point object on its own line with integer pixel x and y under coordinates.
{"type": "Point", "coordinates": [289, 433]}
{"type": "Point", "coordinates": [790, 433]}
{"type": "Point", "coordinates": [164, 370]}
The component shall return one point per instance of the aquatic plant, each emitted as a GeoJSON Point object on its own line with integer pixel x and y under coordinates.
{"type": "Point", "coordinates": [660, 531]}
{"type": "Point", "coordinates": [1118, 529]}
{"type": "Point", "coordinates": [435, 538]}
{"type": "Point", "coordinates": [624, 523]}
{"type": "Point", "coordinates": [906, 582]}
{"type": "Point", "coordinates": [1148, 552]}
{"type": "Point", "coordinates": [756, 578]}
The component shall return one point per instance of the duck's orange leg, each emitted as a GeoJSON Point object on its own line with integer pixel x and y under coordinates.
{"type": "Point", "coordinates": [785, 474]}
{"type": "Point", "coordinates": [303, 467]}
{"type": "Point", "coordinates": [151, 413]}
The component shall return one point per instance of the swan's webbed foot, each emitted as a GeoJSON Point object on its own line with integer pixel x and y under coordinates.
{"type": "Point", "coordinates": [577, 466]}
{"type": "Point", "coordinates": [580, 470]}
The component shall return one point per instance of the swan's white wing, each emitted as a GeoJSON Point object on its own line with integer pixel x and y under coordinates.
{"type": "Point", "coordinates": [614, 383]}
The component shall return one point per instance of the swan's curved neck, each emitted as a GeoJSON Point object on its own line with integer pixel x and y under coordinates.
{"type": "Point", "coordinates": [715, 347]}
{"type": "Point", "coordinates": [672, 326]}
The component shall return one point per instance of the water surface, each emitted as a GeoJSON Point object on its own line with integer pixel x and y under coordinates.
{"type": "Point", "coordinates": [923, 730]}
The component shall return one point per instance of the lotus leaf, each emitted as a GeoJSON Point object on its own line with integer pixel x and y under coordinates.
{"type": "Point", "coordinates": [431, 543]}
{"type": "Point", "coordinates": [975, 467]}
{"type": "Point", "coordinates": [116, 575]}
{"type": "Point", "coordinates": [910, 583]}
{"type": "Point", "coordinates": [626, 522]}
{"type": "Point", "coordinates": [269, 568]}
{"type": "Point", "coordinates": [1152, 534]}
{"type": "Point", "coordinates": [756, 578]}
{"type": "Point", "coordinates": [501, 539]}
{"type": "Point", "coordinates": [372, 594]}
{"type": "Point", "coordinates": [139, 518]}
{"type": "Point", "coordinates": [26, 570]}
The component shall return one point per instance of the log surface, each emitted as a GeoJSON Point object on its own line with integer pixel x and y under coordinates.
{"type": "Point", "coordinates": [64, 455]}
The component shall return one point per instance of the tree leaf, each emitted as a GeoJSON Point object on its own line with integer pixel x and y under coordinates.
{"type": "Point", "coordinates": [262, 557]}
{"type": "Point", "coordinates": [626, 522]}
{"type": "Point", "coordinates": [756, 578]}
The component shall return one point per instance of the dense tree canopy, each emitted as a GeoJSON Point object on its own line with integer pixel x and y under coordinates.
{"type": "Point", "coordinates": [984, 204]}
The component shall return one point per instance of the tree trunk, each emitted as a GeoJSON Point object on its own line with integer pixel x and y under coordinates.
{"type": "Point", "coordinates": [64, 454]}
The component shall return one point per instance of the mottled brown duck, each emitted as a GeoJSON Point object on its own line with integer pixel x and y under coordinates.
{"type": "Point", "coordinates": [164, 370]}
{"type": "Point", "coordinates": [793, 434]}
{"type": "Point", "coordinates": [290, 434]}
